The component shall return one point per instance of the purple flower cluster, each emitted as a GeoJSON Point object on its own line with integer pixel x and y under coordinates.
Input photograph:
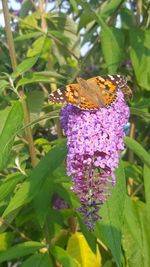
{"type": "Point", "coordinates": [94, 141]}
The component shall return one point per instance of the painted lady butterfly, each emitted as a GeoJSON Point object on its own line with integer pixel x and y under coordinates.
{"type": "Point", "coordinates": [92, 94]}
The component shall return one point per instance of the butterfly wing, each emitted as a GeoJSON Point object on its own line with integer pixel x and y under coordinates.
{"type": "Point", "coordinates": [91, 94]}
{"type": "Point", "coordinates": [104, 90]}
{"type": "Point", "coordinates": [107, 87]}
{"type": "Point", "coordinates": [72, 94]}
{"type": "Point", "coordinates": [65, 95]}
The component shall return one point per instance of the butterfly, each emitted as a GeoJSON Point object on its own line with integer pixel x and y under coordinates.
{"type": "Point", "coordinates": [92, 94]}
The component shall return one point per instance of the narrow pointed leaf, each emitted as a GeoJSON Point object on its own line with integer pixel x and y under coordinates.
{"type": "Point", "coordinates": [79, 249]}
{"type": "Point", "coordinates": [138, 150]}
{"type": "Point", "coordinates": [10, 128]}
{"type": "Point", "coordinates": [24, 66]}
{"type": "Point", "coordinates": [31, 186]}
{"type": "Point", "coordinates": [20, 250]}
{"type": "Point", "coordinates": [38, 260]}
{"type": "Point", "coordinates": [109, 229]}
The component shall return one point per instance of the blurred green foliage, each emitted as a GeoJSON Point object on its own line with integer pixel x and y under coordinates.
{"type": "Point", "coordinates": [55, 41]}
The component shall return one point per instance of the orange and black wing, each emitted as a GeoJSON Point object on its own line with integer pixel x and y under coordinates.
{"type": "Point", "coordinates": [65, 95]}
{"type": "Point", "coordinates": [70, 94]}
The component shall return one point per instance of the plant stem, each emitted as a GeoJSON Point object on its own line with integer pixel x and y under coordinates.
{"type": "Point", "coordinates": [16, 230]}
{"type": "Point", "coordinates": [28, 130]}
{"type": "Point", "coordinates": [9, 35]}
{"type": "Point", "coordinates": [72, 225]}
{"type": "Point", "coordinates": [139, 11]}
{"type": "Point", "coordinates": [12, 54]}
{"type": "Point", "coordinates": [132, 135]}
{"type": "Point", "coordinates": [42, 11]}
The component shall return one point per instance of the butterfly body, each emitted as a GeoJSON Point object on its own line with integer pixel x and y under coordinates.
{"type": "Point", "coordinates": [91, 94]}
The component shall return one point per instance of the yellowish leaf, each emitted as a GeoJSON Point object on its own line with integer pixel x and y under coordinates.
{"type": "Point", "coordinates": [79, 249]}
{"type": "Point", "coordinates": [6, 240]}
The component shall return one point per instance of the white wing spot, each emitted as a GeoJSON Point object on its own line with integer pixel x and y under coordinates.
{"type": "Point", "coordinates": [101, 79]}
{"type": "Point", "coordinates": [111, 77]}
{"type": "Point", "coordinates": [59, 92]}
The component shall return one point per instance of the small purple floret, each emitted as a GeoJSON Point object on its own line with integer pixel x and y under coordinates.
{"type": "Point", "coordinates": [94, 141]}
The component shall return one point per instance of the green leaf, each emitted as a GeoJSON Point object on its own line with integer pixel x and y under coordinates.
{"type": "Point", "coordinates": [39, 260]}
{"type": "Point", "coordinates": [78, 249]}
{"type": "Point", "coordinates": [30, 22]}
{"type": "Point", "coordinates": [20, 250]}
{"type": "Point", "coordinates": [126, 18]}
{"type": "Point", "coordinates": [138, 150]}
{"type": "Point", "coordinates": [141, 113]}
{"type": "Point", "coordinates": [35, 100]}
{"type": "Point", "coordinates": [3, 117]}
{"type": "Point", "coordinates": [44, 76]}
{"type": "Point", "coordinates": [32, 185]}
{"type": "Point", "coordinates": [42, 201]}
{"type": "Point", "coordinates": [108, 7]}
{"type": "Point", "coordinates": [6, 240]}
{"type": "Point", "coordinates": [140, 55]}
{"type": "Point", "coordinates": [39, 46]}
{"type": "Point", "coordinates": [147, 188]}
{"type": "Point", "coordinates": [145, 233]}
{"type": "Point", "coordinates": [7, 186]}
{"type": "Point", "coordinates": [12, 124]}
{"type": "Point", "coordinates": [74, 5]}
{"type": "Point", "coordinates": [61, 22]}
{"type": "Point", "coordinates": [63, 257]}
{"type": "Point", "coordinates": [3, 85]}
{"type": "Point", "coordinates": [50, 115]}
{"type": "Point", "coordinates": [8, 219]}
{"type": "Point", "coordinates": [26, 6]}
{"type": "Point", "coordinates": [136, 236]}
{"type": "Point", "coordinates": [133, 170]}
{"type": "Point", "coordinates": [28, 36]}
{"type": "Point", "coordinates": [90, 238]}
{"type": "Point", "coordinates": [109, 229]}
{"type": "Point", "coordinates": [24, 66]}
{"type": "Point", "coordinates": [47, 74]}
{"type": "Point", "coordinates": [60, 36]}
{"type": "Point", "coordinates": [112, 40]}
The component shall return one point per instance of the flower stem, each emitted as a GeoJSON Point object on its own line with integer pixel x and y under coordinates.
{"type": "Point", "coordinates": [12, 54]}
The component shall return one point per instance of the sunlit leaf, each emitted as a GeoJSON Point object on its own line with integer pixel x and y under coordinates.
{"type": "Point", "coordinates": [112, 40]}
{"type": "Point", "coordinates": [24, 66]}
{"type": "Point", "coordinates": [6, 240]}
{"type": "Point", "coordinates": [108, 7]}
{"type": "Point", "coordinates": [39, 47]}
{"type": "Point", "coordinates": [27, 36]}
{"type": "Point", "coordinates": [45, 76]}
{"type": "Point", "coordinates": [78, 249]}
{"type": "Point", "coordinates": [63, 257]}
{"type": "Point", "coordinates": [140, 55]}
